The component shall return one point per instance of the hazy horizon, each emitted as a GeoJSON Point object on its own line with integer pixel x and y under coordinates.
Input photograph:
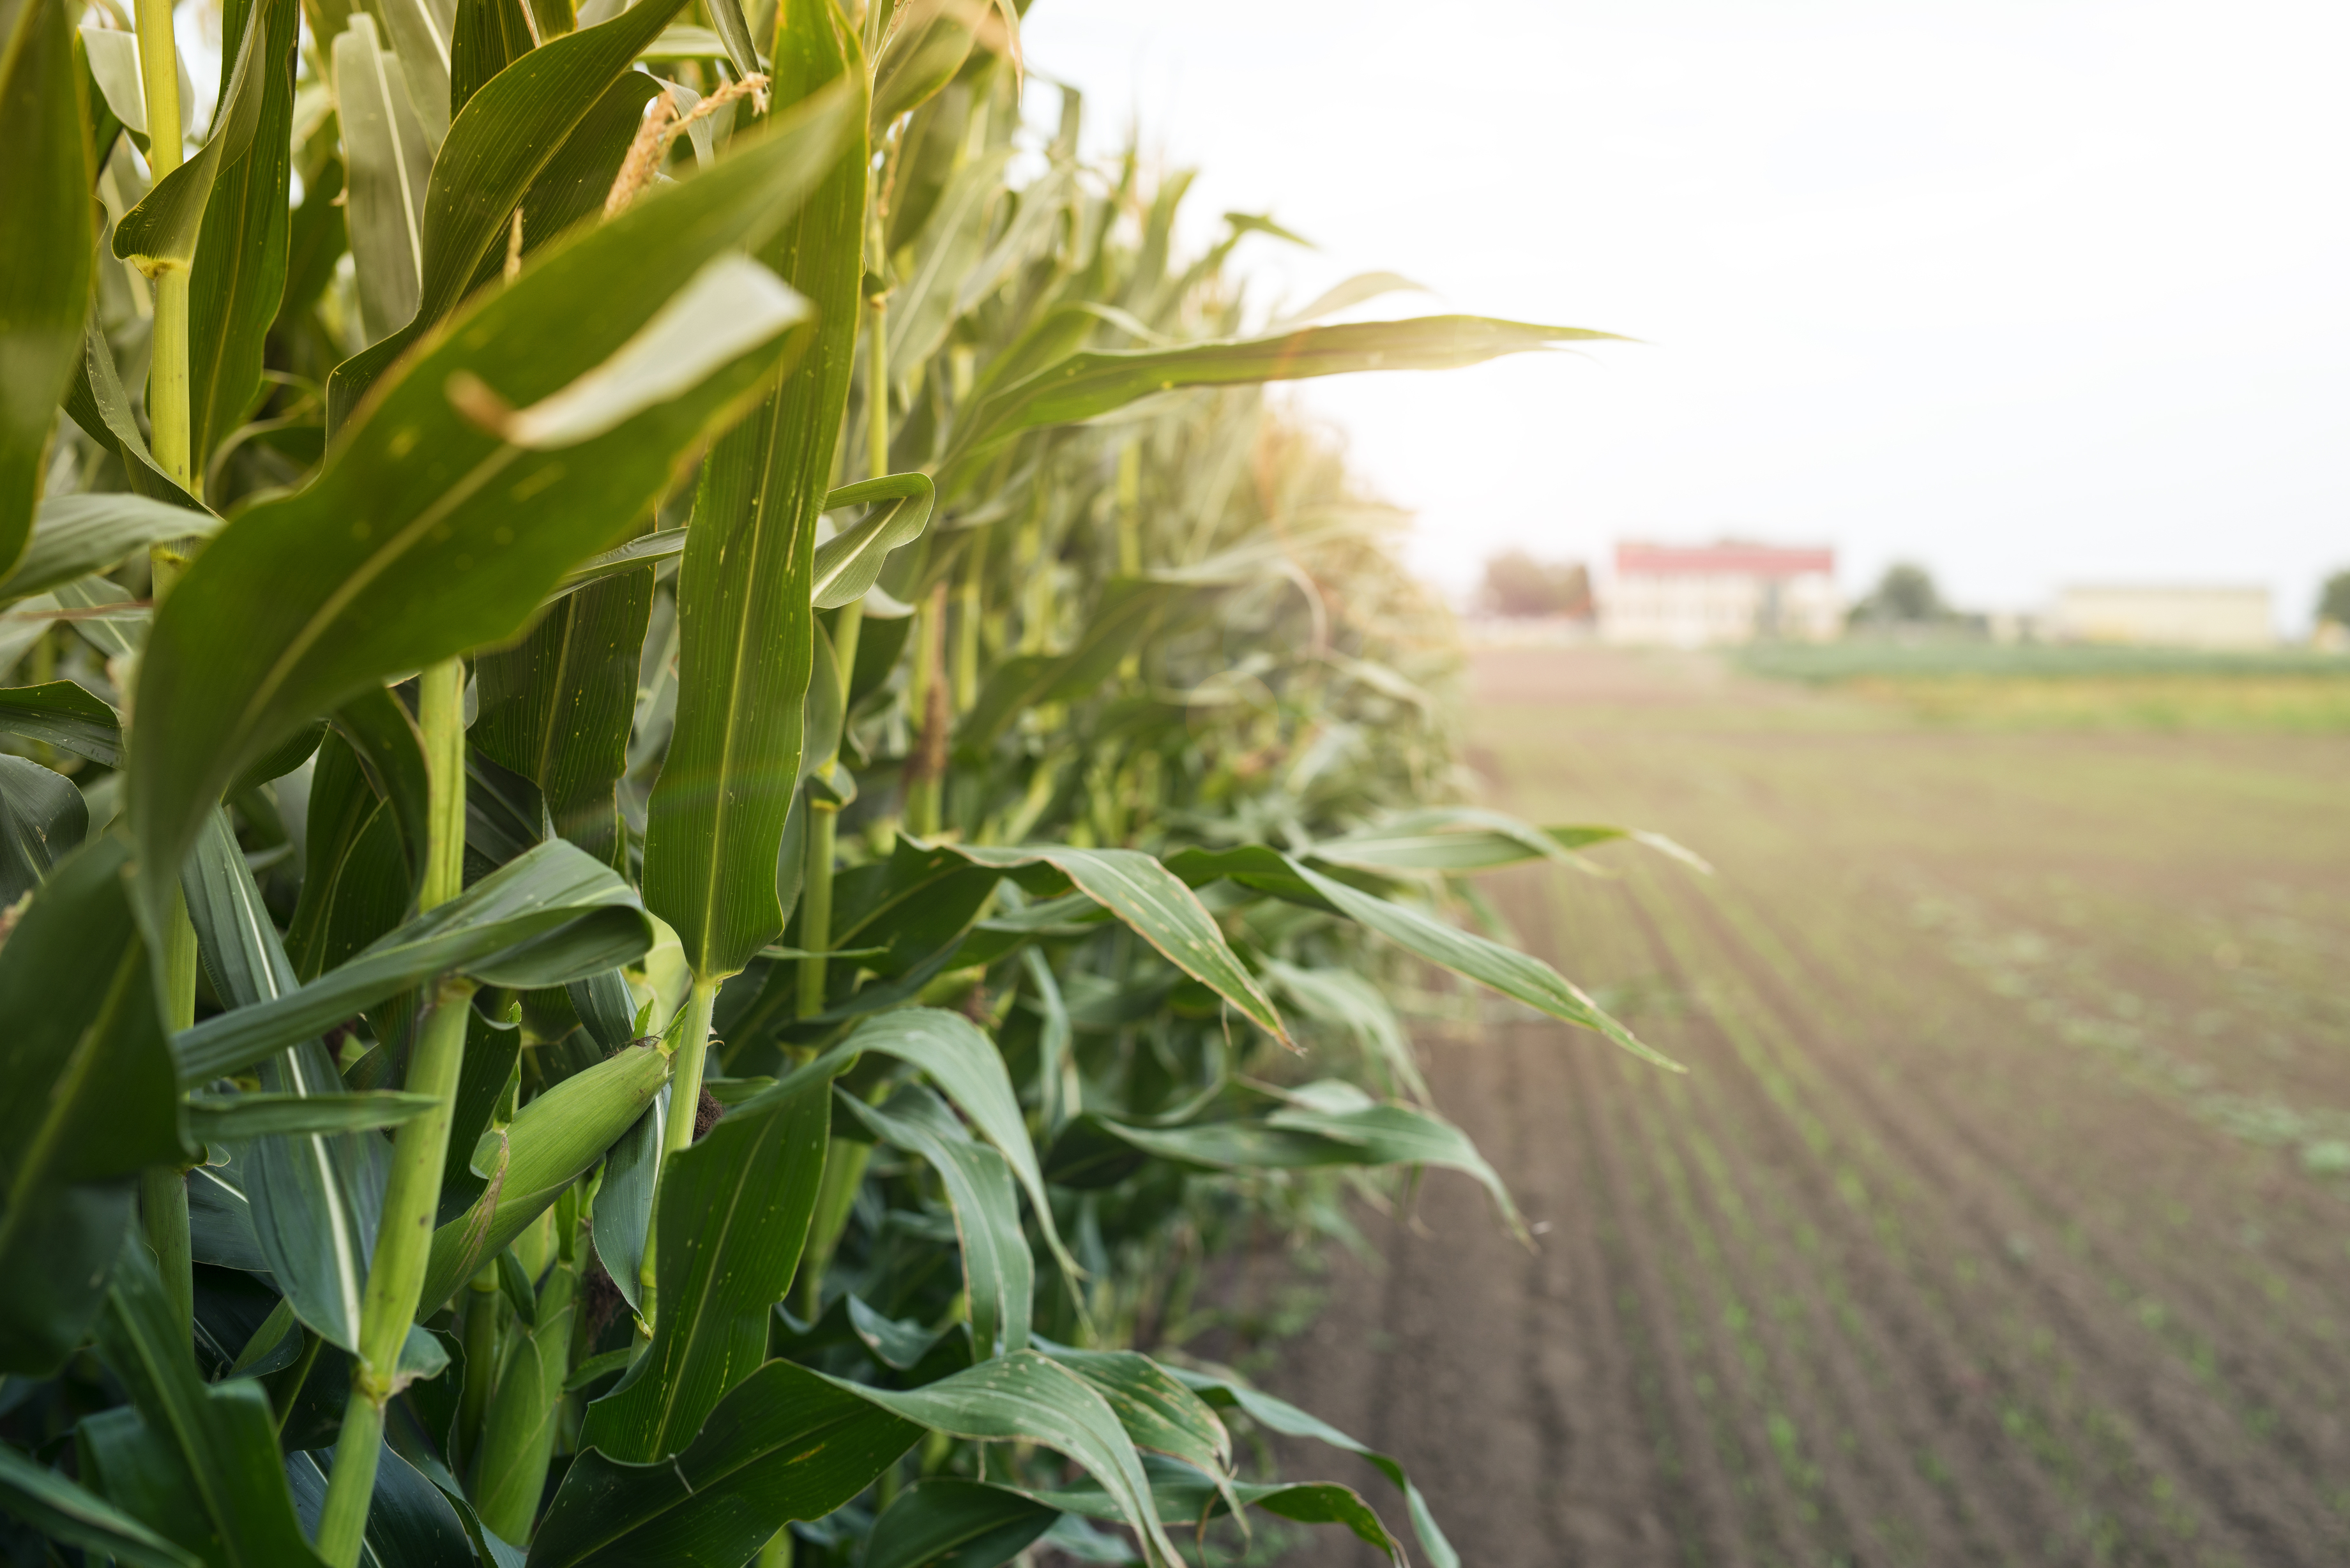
{"type": "Point", "coordinates": [2031, 295]}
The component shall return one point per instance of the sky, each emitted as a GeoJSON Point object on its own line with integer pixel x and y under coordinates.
{"type": "Point", "coordinates": [2031, 292]}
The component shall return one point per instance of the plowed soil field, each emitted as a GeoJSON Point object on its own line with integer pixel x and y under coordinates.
{"type": "Point", "coordinates": [2003, 1215]}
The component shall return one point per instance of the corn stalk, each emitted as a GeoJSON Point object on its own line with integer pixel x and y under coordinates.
{"type": "Point", "coordinates": [587, 874]}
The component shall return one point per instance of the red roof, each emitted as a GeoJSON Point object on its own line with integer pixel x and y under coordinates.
{"type": "Point", "coordinates": [1722, 560]}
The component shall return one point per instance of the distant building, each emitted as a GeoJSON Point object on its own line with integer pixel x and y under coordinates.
{"type": "Point", "coordinates": [2167, 617]}
{"type": "Point", "coordinates": [1696, 596]}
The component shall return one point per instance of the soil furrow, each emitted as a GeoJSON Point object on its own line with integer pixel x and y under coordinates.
{"type": "Point", "coordinates": [2205, 1443]}
{"type": "Point", "coordinates": [1961, 1245]}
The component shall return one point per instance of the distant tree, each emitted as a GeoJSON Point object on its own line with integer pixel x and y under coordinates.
{"type": "Point", "coordinates": [2334, 600]}
{"type": "Point", "coordinates": [1518, 585]}
{"type": "Point", "coordinates": [1905, 595]}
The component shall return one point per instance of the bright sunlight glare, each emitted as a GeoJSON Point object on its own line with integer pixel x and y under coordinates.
{"type": "Point", "coordinates": [2031, 292]}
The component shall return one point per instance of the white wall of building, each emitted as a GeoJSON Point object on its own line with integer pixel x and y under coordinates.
{"type": "Point", "coordinates": [1702, 609]}
{"type": "Point", "coordinates": [2172, 616]}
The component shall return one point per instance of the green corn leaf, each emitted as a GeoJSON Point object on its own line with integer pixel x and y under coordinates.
{"type": "Point", "coordinates": [1153, 902]}
{"type": "Point", "coordinates": [714, 823]}
{"type": "Point", "coordinates": [219, 1217]}
{"type": "Point", "coordinates": [1226, 1390]}
{"type": "Point", "coordinates": [90, 1101]}
{"type": "Point", "coordinates": [999, 1276]}
{"type": "Point", "coordinates": [933, 148]}
{"type": "Point", "coordinates": [1051, 338]}
{"type": "Point", "coordinates": [733, 1216]}
{"type": "Point", "coordinates": [848, 563]}
{"type": "Point", "coordinates": [386, 562]}
{"type": "Point", "coordinates": [1455, 838]}
{"type": "Point", "coordinates": [271, 1348]}
{"type": "Point", "coordinates": [650, 549]}
{"type": "Point", "coordinates": [551, 917]}
{"type": "Point", "coordinates": [786, 1443]}
{"type": "Point", "coordinates": [1244, 1145]}
{"type": "Point", "coordinates": [97, 403]}
{"type": "Point", "coordinates": [1160, 1412]}
{"type": "Point", "coordinates": [119, 623]}
{"type": "Point", "coordinates": [509, 134]}
{"type": "Point", "coordinates": [518, 1434]}
{"type": "Point", "coordinates": [966, 1066]}
{"type": "Point", "coordinates": [1055, 1041]}
{"type": "Point", "coordinates": [159, 234]}
{"type": "Point", "coordinates": [1356, 1131]}
{"type": "Point", "coordinates": [389, 165]}
{"type": "Point", "coordinates": [65, 716]}
{"type": "Point", "coordinates": [929, 41]}
{"type": "Point", "coordinates": [916, 904]}
{"type": "Point", "coordinates": [506, 815]}
{"type": "Point", "coordinates": [221, 1118]}
{"type": "Point", "coordinates": [624, 1201]}
{"type": "Point", "coordinates": [550, 1144]}
{"type": "Point", "coordinates": [419, 33]}
{"type": "Point", "coordinates": [605, 1006]}
{"type": "Point", "coordinates": [282, 759]}
{"type": "Point", "coordinates": [1467, 838]}
{"type": "Point", "coordinates": [945, 1520]}
{"type": "Point", "coordinates": [1025, 240]}
{"type": "Point", "coordinates": [598, 1367]}
{"type": "Point", "coordinates": [26, 624]}
{"type": "Point", "coordinates": [1348, 1001]}
{"type": "Point", "coordinates": [1351, 292]}
{"type": "Point", "coordinates": [896, 1344]}
{"type": "Point", "coordinates": [318, 235]}
{"type": "Point", "coordinates": [735, 32]}
{"type": "Point", "coordinates": [356, 877]}
{"type": "Point", "coordinates": [1181, 1494]}
{"type": "Point", "coordinates": [1398, 1134]}
{"type": "Point", "coordinates": [557, 706]}
{"type": "Point", "coordinates": [64, 1512]}
{"type": "Point", "coordinates": [75, 535]}
{"type": "Point", "coordinates": [46, 253]}
{"type": "Point", "coordinates": [1130, 611]}
{"type": "Point", "coordinates": [241, 248]}
{"type": "Point", "coordinates": [1254, 866]}
{"type": "Point", "coordinates": [572, 187]}
{"type": "Point", "coordinates": [316, 1194]}
{"type": "Point", "coordinates": [112, 57]}
{"type": "Point", "coordinates": [1517, 975]}
{"type": "Point", "coordinates": [389, 751]}
{"type": "Point", "coordinates": [315, 1201]}
{"type": "Point", "coordinates": [1027, 1398]}
{"type": "Point", "coordinates": [410, 1520]}
{"type": "Point", "coordinates": [686, 42]}
{"type": "Point", "coordinates": [488, 1074]}
{"type": "Point", "coordinates": [923, 308]}
{"type": "Point", "coordinates": [59, 1242]}
{"type": "Point", "coordinates": [487, 36]}
{"type": "Point", "coordinates": [790, 1443]}
{"type": "Point", "coordinates": [195, 1462]}
{"type": "Point", "coordinates": [668, 544]}
{"type": "Point", "coordinates": [514, 1283]}
{"type": "Point", "coordinates": [1085, 385]}
{"type": "Point", "coordinates": [43, 818]}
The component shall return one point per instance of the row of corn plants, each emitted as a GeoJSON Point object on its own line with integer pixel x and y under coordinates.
{"type": "Point", "coordinates": [692, 786]}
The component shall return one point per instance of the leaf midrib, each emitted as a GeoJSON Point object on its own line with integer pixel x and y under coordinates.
{"type": "Point", "coordinates": [705, 1266]}
{"type": "Point", "coordinates": [722, 808]}
{"type": "Point", "coordinates": [393, 549]}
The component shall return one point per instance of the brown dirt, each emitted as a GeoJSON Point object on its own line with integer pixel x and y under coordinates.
{"type": "Point", "coordinates": [2000, 1217]}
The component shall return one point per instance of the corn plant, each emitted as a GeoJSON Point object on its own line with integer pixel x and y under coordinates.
{"type": "Point", "coordinates": [486, 1080]}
